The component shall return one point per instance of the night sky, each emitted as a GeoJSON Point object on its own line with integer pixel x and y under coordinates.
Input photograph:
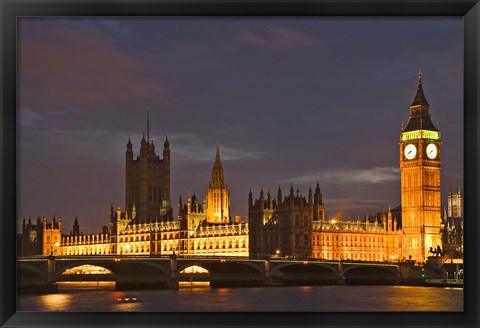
{"type": "Point", "coordinates": [289, 100]}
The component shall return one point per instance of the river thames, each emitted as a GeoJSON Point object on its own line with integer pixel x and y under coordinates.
{"type": "Point", "coordinates": [200, 298]}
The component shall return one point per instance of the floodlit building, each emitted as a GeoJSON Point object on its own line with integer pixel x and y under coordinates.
{"type": "Point", "coordinates": [293, 226]}
{"type": "Point", "coordinates": [420, 164]}
{"type": "Point", "coordinates": [296, 227]}
{"type": "Point", "coordinates": [201, 230]}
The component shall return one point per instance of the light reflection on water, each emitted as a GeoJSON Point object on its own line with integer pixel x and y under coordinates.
{"type": "Point", "coordinates": [55, 302]}
{"type": "Point", "coordinates": [200, 297]}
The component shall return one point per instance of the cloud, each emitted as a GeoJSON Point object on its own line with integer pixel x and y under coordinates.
{"type": "Point", "coordinates": [68, 141]}
{"type": "Point", "coordinates": [97, 24]}
{"type": "Point", "coordinates": [279, 38]}
{"type": "Point", "coordinates": [190, 147]}
{"type": "Point", "coordinates": [354, 203]}
{"type": "Point", "coordinates": [68, 63]}
{"type": "Point", "coordinates": [29, 118]}
{"type": "Point", "coordinates": [348, 176]}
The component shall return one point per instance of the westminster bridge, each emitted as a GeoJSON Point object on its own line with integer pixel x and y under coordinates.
{"type": "Point", "coordinates": [40, 273]}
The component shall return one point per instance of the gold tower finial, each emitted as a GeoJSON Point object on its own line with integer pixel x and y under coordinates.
{"type": "Point", "coordinates": [419, 76]}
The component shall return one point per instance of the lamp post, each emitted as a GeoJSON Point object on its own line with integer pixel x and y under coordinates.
{"type": "Point", "coordinates": [57, 244]}
{"type": "Point", "coordinates": [52, 249]}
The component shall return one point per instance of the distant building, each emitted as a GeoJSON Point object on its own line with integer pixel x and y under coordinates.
{"type": "Point", "coordinates": [455, 204]}
{"type": "Point", "coordinates": [452, 226]}
{"type": "Point", "coordinates": [42, 238]}
{"type": "Point", "coordinates": [31, 238]}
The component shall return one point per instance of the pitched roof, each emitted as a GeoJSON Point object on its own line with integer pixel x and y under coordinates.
{"type": "Point", "coordinates": [420, 98]}
{"type": "Point", "coordinates": [419, 111]}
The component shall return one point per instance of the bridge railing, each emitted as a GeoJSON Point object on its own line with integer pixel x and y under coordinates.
{"type": "Point", "coordinates": [199, 257]}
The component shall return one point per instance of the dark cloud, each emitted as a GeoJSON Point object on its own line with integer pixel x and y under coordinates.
{"type": "Point", "coordinates": [278, 38]}
{"type": "Point", "coordinates": [79, 67]}
{"type": "Point", "coordinates": [348, 176]}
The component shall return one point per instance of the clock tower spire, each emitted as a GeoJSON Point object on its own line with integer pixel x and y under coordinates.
{"type": "Point", "coordinates": [420, 164]}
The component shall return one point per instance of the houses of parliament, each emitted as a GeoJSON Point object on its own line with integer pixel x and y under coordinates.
{"type": "Point", "coordinates": [291, 224]}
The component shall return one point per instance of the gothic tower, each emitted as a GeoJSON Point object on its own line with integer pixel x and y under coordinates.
{"type": "Point", "coordinates": [147, 182]}
{"type": "Point", "coordinates": [420, 163]}
{"type": "Point", "coordinates": [218, 196]}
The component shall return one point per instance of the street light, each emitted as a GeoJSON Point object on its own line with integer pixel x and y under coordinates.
{"type": "Point", "coordinates": [52, 250]}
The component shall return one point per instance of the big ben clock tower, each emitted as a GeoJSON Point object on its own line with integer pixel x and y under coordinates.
{"type": "Point", "coordinates": [420, 162]}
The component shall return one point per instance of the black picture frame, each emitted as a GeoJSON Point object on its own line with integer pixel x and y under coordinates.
{"type": "Point", "coordinates": [10, 10]}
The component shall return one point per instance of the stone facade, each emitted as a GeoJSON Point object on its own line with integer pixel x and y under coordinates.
{"type": "Point", "coordinates": [160, 238]}
{"type": "Point", "coordinates": [373, 239]}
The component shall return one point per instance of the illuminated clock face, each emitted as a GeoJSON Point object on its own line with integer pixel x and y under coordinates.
{"type": "Point", "coordinates": [410, 151]}
{"type": "Point", "coordinates": [432, 151]}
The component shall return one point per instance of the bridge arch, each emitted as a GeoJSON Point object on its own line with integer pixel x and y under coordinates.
{"type": "Point", "coordinates": [194, 273]}
{"type": "Point", "coordinates": [33, 269]}
{"type": "Point", "coordinates": [279, 267]}
{"type": "Point", "coordinates": [304, 273]}
{"type": "Point", "coordinates": [26, 271]}
{"type": "Point", "coordinates": [370, 275]}
{"type": "Point", "coordinates": [86, 272]}
{"type": "Point", "coordinates": [220, 264]}
{"type": "Point", "coordinates": [225, 272]}
{"type": "Point", "coordinates": [31, 277]}
{"type": "Point", "coordinates": [63, 266]}
{"type": "Point", "coordinates": [116, 267]}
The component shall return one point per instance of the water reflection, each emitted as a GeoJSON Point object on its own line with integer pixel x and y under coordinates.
{"type": "Point", "coordinates": [425, 299]}
{"type": "Point", "coordinates": [203, 298]}
{"type": "Point", "coordinates": [193, 286]}
{"type": "Point", "coordinates": [73, 286]}
{"type": "Point", "coordinates": [56, 302]}
{"type": "Point", "coordinates": [128, 306]}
